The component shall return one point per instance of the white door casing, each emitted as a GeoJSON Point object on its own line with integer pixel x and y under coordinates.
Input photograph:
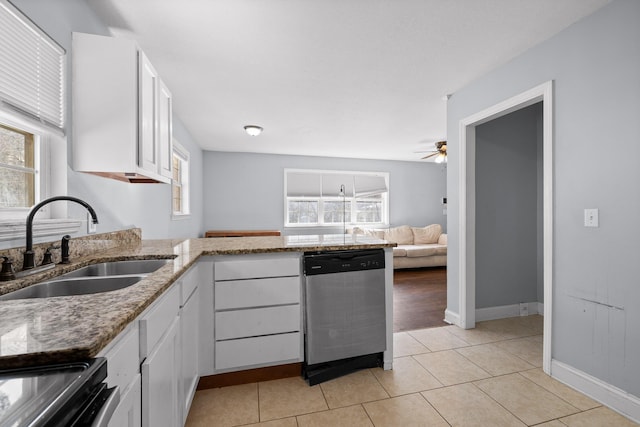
{"type": "Point", "coordinates": [466, 266]}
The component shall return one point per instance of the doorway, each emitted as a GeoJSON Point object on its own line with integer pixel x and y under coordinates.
{"type": "Point", "coordinates": [419, 298]}
{"type": "Point", "coordinates": [467, 205]}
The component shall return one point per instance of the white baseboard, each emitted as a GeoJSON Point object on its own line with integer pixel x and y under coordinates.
{"type": "Point", "coordinates": [493, 313]}
{"type": "Point", "coordinates": [504, 311]}
{"type": "Point", "coordinates": [451, 318]}
{"type": "Point", "coordinates": [611, 396]}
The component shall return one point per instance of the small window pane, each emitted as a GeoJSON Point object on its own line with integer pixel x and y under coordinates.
{"type": "Point", "coordinates": [16, 148]}
{"type": "Point", "coordinates": [303, 212]}
{"type": "Point", "coordinates": [334, 211]}
{"type": "Point", "coordinates": [17, 173]}
{"type": "Point", "coordinates": [369, 211]}
{"type": "Point", "coordinates": [16, 189]}
{"type": "Point", "coordinates": [180, 182]}
{"type": "Point", "coordinates": [177, 199]}
{"type": "Point", "coordinates": [176, 168]}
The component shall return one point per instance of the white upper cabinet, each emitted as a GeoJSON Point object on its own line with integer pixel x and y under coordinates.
{"type": "Point", "coordinates": [121, 115]}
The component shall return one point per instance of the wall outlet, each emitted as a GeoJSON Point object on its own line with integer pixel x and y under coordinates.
{"type": "Point", "coordinates": [91, 227]}
{"type": "Point", "coordinates": [524, 309]}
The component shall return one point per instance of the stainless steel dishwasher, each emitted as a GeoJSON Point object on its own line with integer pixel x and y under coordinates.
{"type": "Point", "coordinates": [345, 322]}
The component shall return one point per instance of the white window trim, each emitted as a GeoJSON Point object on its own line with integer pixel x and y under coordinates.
{"type": "Point", "coordinates": [52, 219]}
{"type": "Point", "coordinates": [186, 196]}
{"type": "Point", "coordinates": [352, 199]}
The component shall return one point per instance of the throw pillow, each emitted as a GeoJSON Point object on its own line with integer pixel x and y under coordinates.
{"type": "Point", "coordinates": [426, 235]}
{"type": "Point", "coordinates": [401, 235]}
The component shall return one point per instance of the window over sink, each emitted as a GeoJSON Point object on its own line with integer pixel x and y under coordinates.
{"type": "Point", "coordinates": [33, 146]}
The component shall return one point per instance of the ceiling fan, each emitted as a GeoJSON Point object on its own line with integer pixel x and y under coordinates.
{"type": "Point", "coordinates": [440, 152]}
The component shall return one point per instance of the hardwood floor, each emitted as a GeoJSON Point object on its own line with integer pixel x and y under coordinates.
{"type": "Point", "coordinates": [419, 298]}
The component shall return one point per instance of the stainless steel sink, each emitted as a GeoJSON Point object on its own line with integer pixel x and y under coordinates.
{"type": "Point", "coordinates": [71, 286]}
{"type": "Point", "coordinates": [118, 268]}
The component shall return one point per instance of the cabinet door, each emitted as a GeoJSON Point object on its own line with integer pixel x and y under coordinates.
{"type": "Point", "coordinates": [127, 414]}
{"type": "Point", "coordinates": [160, 404]}
{"type": "Point", "coordinates": [147, 89]}
{"type": "Point", "coordinates": [165, 130]}
{"type": "Point", "coordinates": [189, 335]}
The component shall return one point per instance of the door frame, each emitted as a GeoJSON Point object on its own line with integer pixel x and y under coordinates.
{"type": "Point", "coordinates": [467, 203]}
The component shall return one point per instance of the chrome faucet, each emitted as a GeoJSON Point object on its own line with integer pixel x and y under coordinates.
{"type": "Point", "coordinates": [29, 256]}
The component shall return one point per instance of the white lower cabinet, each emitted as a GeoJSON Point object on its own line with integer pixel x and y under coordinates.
{"type": "Point", "coordinates": [257, 317]}
{"type": "Point", "coordinates": [189, 334]}
{"type": "Point", "coordinates": [128, 413]}
{"type": "Point", "coordinates": [247, 316]}
{"type": "Point", "coordinates": [161, 365]}
{"type": "Point", "coordinates": [123, 372]}
{"type": "Point", "coordinates": [160, 374]}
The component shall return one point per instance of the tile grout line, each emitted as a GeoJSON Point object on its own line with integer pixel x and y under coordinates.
{"type": "Point", "coordinates": [557, 395]}
{"type": "Point", "coordinates": [434, 408]}
{"type": "Point", "coordinates": [500, 404]}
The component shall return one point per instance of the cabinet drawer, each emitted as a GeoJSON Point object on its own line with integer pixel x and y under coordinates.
{"type": "Point", "coordinates": [257, 321]}
{"type": "Point", "coordinates": [122, 358]}
{"type": "Point", "coordinates": [257, 292]}
{"type": "Point", "coordinates": [257, 268]}
{"type": "Point", "coordinates": [258, 350]}
{"type": "Point", "coordinates": [156, 321]}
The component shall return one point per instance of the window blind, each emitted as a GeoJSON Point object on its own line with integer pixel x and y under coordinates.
{"type": "Point", "coordinates": [370, 185]}
{"type": "Point", "coordinates": [31, 69]}
{"type": "Point", "coordinates": [325, 184]}
{"type": "Point", "coordinates": [331, 184]}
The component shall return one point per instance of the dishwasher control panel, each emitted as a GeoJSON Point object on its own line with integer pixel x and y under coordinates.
{"type": "Point", "coordinates": [326, 262]}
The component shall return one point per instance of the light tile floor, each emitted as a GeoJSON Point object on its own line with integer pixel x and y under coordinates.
{"type": "Point", "coordinates": [487, 376]}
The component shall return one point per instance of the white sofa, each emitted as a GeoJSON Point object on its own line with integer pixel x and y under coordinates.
{"type": "Point", "coordinates": [417, 246]}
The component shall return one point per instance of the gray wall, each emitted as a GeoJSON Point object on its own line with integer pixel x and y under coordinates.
{"type": "Point", "coordinates": [507, 211]}
{"type": "Point", "coordinates": [595, 66]}
{"type": "Point", "coordinates": [119, 205]}
{"type": "Point", "coordinates": [246, 191]}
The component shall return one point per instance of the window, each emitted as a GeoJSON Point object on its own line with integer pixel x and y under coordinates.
{"type": "Point", "coordinates": [180, 182]}
{"type": "Point", "coordinates": [330, 198]}
{"type": "Point", "coordinates": [33, 149]}
{"type": "Point", "coordinates": [18, 167]}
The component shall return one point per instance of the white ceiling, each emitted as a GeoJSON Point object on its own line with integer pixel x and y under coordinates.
{"type": "Point", "coordinates": [338, 78]}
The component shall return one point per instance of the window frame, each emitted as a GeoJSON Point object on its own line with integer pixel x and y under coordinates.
{"type": "Point", "coordinates": [351, 200]}
{"type": "Point", "coordinates": [184, 158]}
{"type": "Point", "coordinates": [41, 152]}
{"type": "Point", "coordinates": [52, 219]}
{"type": "Point", "coordinates": [33, 170]}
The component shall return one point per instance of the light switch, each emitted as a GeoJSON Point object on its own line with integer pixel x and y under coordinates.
{"type": "Point", "coordinates": [591, 217]}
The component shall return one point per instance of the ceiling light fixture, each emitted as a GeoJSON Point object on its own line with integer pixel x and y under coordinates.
{"type": "Point", "coordinates": [253, 130]}
{"type": "Point", "coordinates": [441, 157]}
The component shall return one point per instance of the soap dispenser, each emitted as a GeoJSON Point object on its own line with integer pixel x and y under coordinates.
{"type": "Point", "coordinates": [7, 270]}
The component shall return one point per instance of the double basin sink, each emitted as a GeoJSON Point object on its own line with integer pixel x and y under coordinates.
{"type": "Point", "coordinates": [95, 278]}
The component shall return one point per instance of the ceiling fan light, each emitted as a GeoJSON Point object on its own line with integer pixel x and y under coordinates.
{"type": "Point", "coordinates": [253, 130]}
{"type": "Point", "coordinates": [440, 158]}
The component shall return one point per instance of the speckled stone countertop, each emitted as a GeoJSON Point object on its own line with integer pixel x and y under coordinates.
{"type": "Point", "coordinates": [62, 329]}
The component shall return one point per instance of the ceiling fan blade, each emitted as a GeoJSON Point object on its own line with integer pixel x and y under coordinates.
{"type": "Point", "coordinates": [430, 155]}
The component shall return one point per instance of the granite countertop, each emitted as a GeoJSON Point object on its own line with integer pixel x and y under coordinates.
{"type": "Point", "coordinates": [62, 329]}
